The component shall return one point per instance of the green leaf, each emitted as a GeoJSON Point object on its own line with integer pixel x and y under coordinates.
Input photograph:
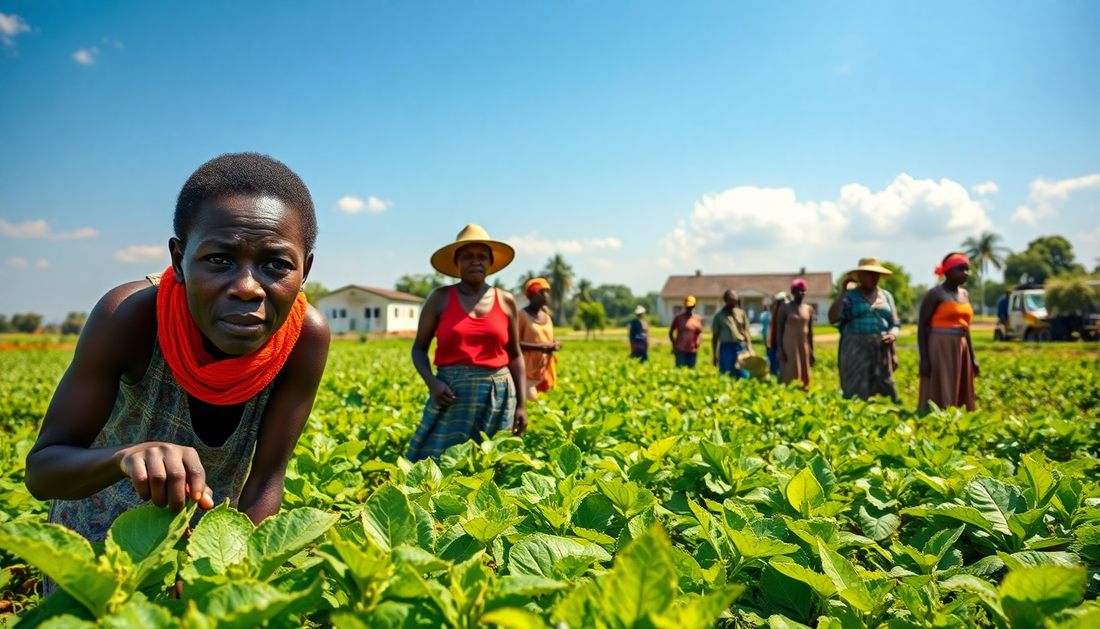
{"type": "Point", "coordinates": [1043, 484]}
{"type": "Point", "coordinates": [388, 519]}
{"type": "Point", "coordinates": [146, 535]}
{"type": "Point", "coordinates": [820, 583]}
{"type": "Point", "coordinates": [220, 540]}
{"type": "Point", "coordinates": [282, 536]}
{"type": "Point", "coordinates": [512, 618]}
{"type": "Point", "coordinates": [1031, 594]}
{"type": "Point", "coordinates": [698, 612]}
{"type": "Point", "coordinates": [65, 557]}
{"type": "Point", "coordinates": [537, 554]}
{"type": "Point", "coordinates": [627, 498]}
{"type": "Point", "coordinates": [967, 515]}
{"type": "Point", "coordinates": [643, 580]}
{"type": "Point", "coordinates": [245, 604]}
{"type": "Point", "coordinates": [782, 622]}
{"type": "Point", "coordinates": [422, 560]}
{"type": "Point", "coordinates": [849, 585]}
{"type": "Point", "coordinates": [138, 613]}
{"type": "Point", "coordinates": [484, 528]}
{"type": "Point", "coordinates": [65, 621]}
{"type": "Point", "coordinates": [804, 493]}
{"type": "Point", "coordinates": [984, 591]}
{"type": "Point", "coordinates": [877, 524]}
{"type": "Point", "coordinates": [752, 547]}
{"type": "Point", "coordinates": [785, 594]}
{"type": "Point", "coordinates": [996, 501]}
{"type": "Point", "coordinates": [568, 459]}
{"type": "Point", "coordinates": [528, 585]}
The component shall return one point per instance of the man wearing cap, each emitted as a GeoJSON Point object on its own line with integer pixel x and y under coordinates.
{"type": "Point", "coordinates": [686, 334]}
{"type": "Point", "coordinates": [730, 335]}
{"type": "Point", "coordinates": [638, 331]}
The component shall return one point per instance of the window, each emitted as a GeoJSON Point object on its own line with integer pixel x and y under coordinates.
{"type": "Point", "coordinates": [366, 312]}
{"type": "Point", "coordinates": [377, 313]}
{"type": "Point", "coordinates": [343, 313]}
{"type": "Point", "coordinates": [412, 313]}
{"type": "Point", "coordinates": [334, 313]}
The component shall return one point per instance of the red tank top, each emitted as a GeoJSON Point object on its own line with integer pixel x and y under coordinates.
{"type": "Point", "coordinates": [472, 341]}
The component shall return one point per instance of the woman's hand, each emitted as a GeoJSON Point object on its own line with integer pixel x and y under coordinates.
{"type": "Point", "coordinates": [519, 424]}
{"type": "Point", "coordinates": [888, 339]}
{"type": "Point", "coordinates": [977, 369]}
{"type": "Point", "coordinates": [893, 361]}
{"type": "Point", "coordinates": [441, 394]}
{"type": "Point", "coordinates": [166, 473]}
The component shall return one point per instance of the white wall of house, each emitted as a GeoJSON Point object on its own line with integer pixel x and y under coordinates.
{"type": "Point", "coordinates": [357, 310]}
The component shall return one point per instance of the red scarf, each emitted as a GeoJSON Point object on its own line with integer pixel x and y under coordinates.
{"type": "Point", "coordinates": [224, 382]}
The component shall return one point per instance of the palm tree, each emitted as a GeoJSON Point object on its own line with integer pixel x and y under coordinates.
{"type": "Point", "coordinates": [584, 290]}
{"type": "Point", "coordinates": [985, 250]}
{"type": "Point", "coordinates": [560, 275]}
{"type": "Point", "coordinates": [521, 282]}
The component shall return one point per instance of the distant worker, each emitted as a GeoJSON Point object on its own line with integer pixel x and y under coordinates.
{"type": "Point", "coordinates": [638, 331]}
{"type": "Point", "coordinates": [767, 323]}
{"type": "Point", "coordinates": [536, 339]}
{"type": "Point", "coordinates": [686, 334]}
{"type": "Point", "coordinates": [1002, 308]}
{"type": "Point", "coordinates": [794, 337]}
{"type": "Point", "coordinates": [477, 355]}
{"type": "Point", "coordinates": [947, 363]}
{"type": "Point", "coordinates": [869, 326]}
{"type": "Point", "coordinates": [730, 336]}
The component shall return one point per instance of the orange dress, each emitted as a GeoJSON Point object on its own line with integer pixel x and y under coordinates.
{"type": "Point", "coordinates": [951, 380]}
{"type": "Point", "coordinates": [540, 365]}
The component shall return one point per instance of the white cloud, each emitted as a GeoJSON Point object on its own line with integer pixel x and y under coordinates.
{"type": "Point", "coordinates": [531, 244]}
{"type": "Point", "coordinates": [1045, 196]}
{"type": "Point", "coordinates": [42, 263]}
{"type": "Point", "coordinates": [135, 254]}
{"type": "Point", "coordinates": [18, 263]}
{"type": "Point", "coordinates": [11, 25]}
{"type": "Point", "coordinates": [42, 229]}
{"type": "Point", "coordinates": [355, 205]}
{"type": "Point", "coordinates": [986, 188]}
{"type": "Point", "coordinates": [86, 56]}
{"type": "Point", "coordinates": [752, 218]}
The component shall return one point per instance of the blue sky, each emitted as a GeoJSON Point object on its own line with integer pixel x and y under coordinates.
{"type": "Point", "coordinates": [639, 139]}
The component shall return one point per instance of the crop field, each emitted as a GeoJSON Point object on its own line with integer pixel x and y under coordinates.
{"type": "Point", "coordinates": [642, 496]}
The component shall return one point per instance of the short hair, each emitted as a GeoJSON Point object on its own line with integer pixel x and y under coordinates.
{"type": "Point", "coordinates": [245, 173]}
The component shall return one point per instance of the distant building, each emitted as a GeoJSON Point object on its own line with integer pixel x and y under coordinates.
{"type": "Point", "coordinates": [355, 308]}
{"type": "Point", "coordinates": [755, 290]}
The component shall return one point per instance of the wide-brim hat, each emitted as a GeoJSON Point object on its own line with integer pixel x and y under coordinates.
{"type": "Point", "coordinates": [757, 366]}
{"type": "Point", "coordinates": [868, 264]}
{"type": "Point", "coordinates": [640, 310]}
{"type": "Point", "coordinates": [444, 259]}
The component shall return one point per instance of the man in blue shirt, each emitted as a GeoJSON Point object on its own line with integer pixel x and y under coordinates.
{"type": "Point", "coordinates": [639, 335]}
{"type": "Point", "coordinates": [1002, 308]}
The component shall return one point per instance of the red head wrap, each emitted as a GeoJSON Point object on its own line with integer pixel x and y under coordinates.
{"type": "Point", "coordinates": [951, 262]}
{"type": "Point", "coordinates": [224, 382]}
{"type": "Point", "coordinates": [799, 283]}
{"type": "Point", "coordinates": [535, 285]}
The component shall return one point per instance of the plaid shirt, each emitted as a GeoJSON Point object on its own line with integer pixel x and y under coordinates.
{"type": "Point", "coordinates": [857, 316]}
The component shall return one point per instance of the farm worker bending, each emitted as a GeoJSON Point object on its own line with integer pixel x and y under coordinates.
{"type": "Point", "coordinates": [477, 354]}
{"type": "Point", "coordinates": [730, 336]}
{"type": "Point", "coordinates": [869, 325]}
{"type": "Point", "coordinates": [638, 331]}
{"type": "Point", "coordinates": [536, 338]}
{"type": "Point", "coordinates": [195, 383]}
{"type": "Point", "coordinates": [794, 337]}
{"type": "Point", "coordinates": [686, 334]}
{"type": "Point", "coordinates": [768, 321]}
{"type": "Point", "coordinates": [947, 363]}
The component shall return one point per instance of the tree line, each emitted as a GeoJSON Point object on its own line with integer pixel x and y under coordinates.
{"type": "Point", "coordinates": [31, 322]}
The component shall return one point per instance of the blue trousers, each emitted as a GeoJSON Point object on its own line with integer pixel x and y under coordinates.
{"type": "Point", "coordinates": [773, 361]}
{"type": "Point", "coordinates": [686, 359]}
{"type": "Point", "coordinates": [727, 359]}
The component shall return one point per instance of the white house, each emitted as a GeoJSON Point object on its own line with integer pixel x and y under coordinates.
{"type": "Point", "coordinates": [755, 290]}
{"type": "Point", "coordinates": [355, 308]}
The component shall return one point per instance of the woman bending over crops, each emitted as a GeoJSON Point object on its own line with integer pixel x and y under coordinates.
{"type": "Point", "coordinates": [947, 363]}
{"type": "Point", "coordinates": [196, 383]}
{"type": "Point", "coordinates": [477, 355]}
{"type": "Point", "coordinates": [869, 325]}
{"type": "Point", "coordinates": [536, 338]}
{"type": "Point", "coordinates": [794, 337]}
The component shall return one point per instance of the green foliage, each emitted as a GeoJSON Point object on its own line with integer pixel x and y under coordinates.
{"type": "Point", "coordinates": [420, 285]}
{"type": "Point", "coordinates": [313, 290]}
{"type": "Point", "coordinates": [26, 322]}
{"type": "Point", "coordinates": [1071, 295]}
{"type": "Point", "coordinates": [642, 496]}
{"type": "Point", "coordinates": [898, 285]}
{"type": "Point", "coordinates": [1046, 257]}
{"type": "Point", "coordinates": [592, 316]}
{"type": "Point", "coordinates": [73, 323]}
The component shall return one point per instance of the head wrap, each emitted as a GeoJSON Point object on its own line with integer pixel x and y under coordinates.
{"type": "Point", "coordinates": [223, 382]}
{"type": "Point", "coordinates": [799, 283]}
{"type": "Point", "coordinates": [535, 285]}
{"type": "Point", "coordinates": [689, 301]}
{"type": "Point", "coordinates": [952, 261]}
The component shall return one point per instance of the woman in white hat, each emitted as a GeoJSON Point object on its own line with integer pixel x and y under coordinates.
{"type": "Point", "coordinates": [638, 331]}
{"type": "Point", "coordinates": [478, 357]}
{"type": "Point", "coordinates": [869, 325]}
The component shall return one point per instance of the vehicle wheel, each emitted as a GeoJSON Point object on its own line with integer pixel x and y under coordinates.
{"type": "Point", "coordinates": [1029, 335]}
{"type": "Point", "coordinates": [1045, 336]}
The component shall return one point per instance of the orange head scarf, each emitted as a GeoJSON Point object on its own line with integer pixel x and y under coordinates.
{"type": "Point", "coordinates": [223, 382]}
{"type": "Point", "coordinates": [535, 285]}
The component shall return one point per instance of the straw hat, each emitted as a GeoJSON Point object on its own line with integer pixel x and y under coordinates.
{"type": "Point", "coordinates": [640, 310]}
{"type": "Point", "coordinates": [868, 264]}
{"type": "Point", "coordinates": [689, 301]}
{"type": "Point", "coordinates": [444, 259]}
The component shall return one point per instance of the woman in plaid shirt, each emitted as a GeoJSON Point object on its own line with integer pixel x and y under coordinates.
{"type": "Point", "coordinates": [869, 325]}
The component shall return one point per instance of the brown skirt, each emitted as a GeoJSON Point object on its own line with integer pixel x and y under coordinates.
{"type": "Point", "coordinates": [951, 382]}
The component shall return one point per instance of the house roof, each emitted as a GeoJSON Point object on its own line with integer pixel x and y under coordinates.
{"type": "Point", "coordinates": [391, 295]}
{"type": "Point", "coordinates": [765, 283]}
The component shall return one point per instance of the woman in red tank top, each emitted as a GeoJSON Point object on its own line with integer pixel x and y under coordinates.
{"type": "Point", "coordinates": [477, 357]}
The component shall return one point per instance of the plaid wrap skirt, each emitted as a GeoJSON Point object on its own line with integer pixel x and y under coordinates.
{"type": "Point", "coordinates": [485, 402]}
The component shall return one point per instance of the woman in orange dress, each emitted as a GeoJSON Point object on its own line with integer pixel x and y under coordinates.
{"type": "Point", "coordinates": [947, 363]}
{"type": "Point", "coordinates": [536, 339]}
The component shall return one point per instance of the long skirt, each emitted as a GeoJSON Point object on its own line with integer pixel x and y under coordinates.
{"type": "Point", "coordinates": [951, 382]}
{"type": "Point", "coordinates": [485, 402]}
{"type": "Point", "coordinates": [796, 345]}
{"type": "Point", "coordinates": [866, 367]}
